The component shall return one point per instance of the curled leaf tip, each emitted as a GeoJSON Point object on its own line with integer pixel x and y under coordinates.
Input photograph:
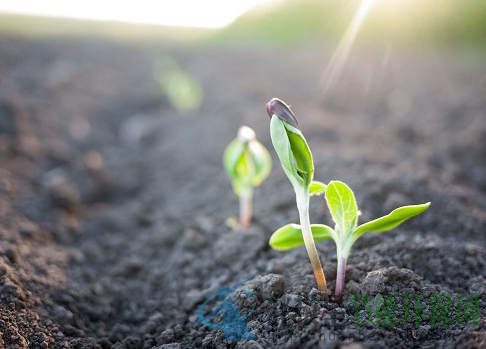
{"type": "Point", "coordinates": [282, 110]}
{"type": "Point", "coordinates": [246, 134]}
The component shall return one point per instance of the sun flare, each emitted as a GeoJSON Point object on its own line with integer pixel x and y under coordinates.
{"type": "Point", "coordinates": [338, 59]}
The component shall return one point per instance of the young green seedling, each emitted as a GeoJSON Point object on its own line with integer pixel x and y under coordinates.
{"type": "Point", "coordinates": [248, 164]}
{"type": "Point", "coordinates": [297, 163]}
{"type": "Point", "coordinates": [344, 211]}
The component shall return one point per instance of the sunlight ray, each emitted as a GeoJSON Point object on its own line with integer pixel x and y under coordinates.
{"type": "Point", "coordinates": [336, 63]}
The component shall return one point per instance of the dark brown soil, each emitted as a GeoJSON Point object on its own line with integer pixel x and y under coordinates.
{"type": "Point", "coordinates": [113, 204]}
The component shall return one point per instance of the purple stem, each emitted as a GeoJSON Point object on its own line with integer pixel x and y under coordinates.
{"type": "Point", "coordinates": [341, 273]}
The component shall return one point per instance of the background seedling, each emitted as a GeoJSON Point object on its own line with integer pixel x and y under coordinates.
{"type": "Point", "coordinates": [297, 163]}
{"type": "Point", "coordinates": [182, 89]}
{"type": "Point", "coordinates": [247, 163]}
{"type": "Point", "coordinates": [342, 205]}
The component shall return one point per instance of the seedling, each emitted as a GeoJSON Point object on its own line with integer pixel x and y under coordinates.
{"type": "Point", "coordinates": [248, 164]}
{"type": "Point", "coordinates": [182, 89]}
{"type": "Point", "coordinates": [296, 159]}
{"type": "Point", "coordinates": [344, 211]}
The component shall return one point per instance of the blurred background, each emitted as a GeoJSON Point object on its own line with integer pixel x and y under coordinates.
{"type": "Point", "coordinates": [335, 30]}
{"type": "Point", "coordinates": [445, 23]}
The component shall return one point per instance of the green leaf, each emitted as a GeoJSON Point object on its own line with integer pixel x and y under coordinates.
{"type": "Point", "coordinates": [317, 188]}
{"type": "Point", "coordinates": [392, 220]}
{"type": "Point", "coordinates": [262, 161]}
{"type": "Point", "coordinates": [301, 153]}
{"type": "Point", "coordinates": [293, 152]}
{"type": "Point", "coordinates": [281, 143]}
{"type": "Point", "coordinates": [232, 156]}
{"type": "Point", "coordinates": [342, 205]}
{"type": "Point", "coordinates": [290, 236]}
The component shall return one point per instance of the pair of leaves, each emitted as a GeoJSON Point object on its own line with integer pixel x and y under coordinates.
{"type": "Point", "coordinates": [344, 211]}
{"type": "Point", "coordinates": [248, 163]}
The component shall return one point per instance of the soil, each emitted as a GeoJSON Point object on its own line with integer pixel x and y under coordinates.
{"type": "Point", "coordinates": [113, 205]}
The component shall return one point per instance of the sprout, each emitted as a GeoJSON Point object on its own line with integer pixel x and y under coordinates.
{"type": "Point", "coordinates": [342, 205]}
{"type": "Point", "coordinates": [248, 164]}
{"type": "Point", "coordinates": [182, 89]}
{"type": "Point", "coordinates": [297, 163]}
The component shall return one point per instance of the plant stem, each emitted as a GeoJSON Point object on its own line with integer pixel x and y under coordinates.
{"type": "Point", "coordinates": [341, 273]}
{"type": "Point", "coordinates": [246, 199]}
{"type": "Point", "coordinates": [303, 207]}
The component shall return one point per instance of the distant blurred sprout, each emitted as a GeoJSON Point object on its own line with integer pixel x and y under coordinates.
{"type": "Point", "coordinates": [183, 90]}
{"type": "Point", "coordinates": [248, 164]}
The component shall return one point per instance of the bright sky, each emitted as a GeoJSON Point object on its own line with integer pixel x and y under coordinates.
{"type": "Point", "coordinates": [184, 13]}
